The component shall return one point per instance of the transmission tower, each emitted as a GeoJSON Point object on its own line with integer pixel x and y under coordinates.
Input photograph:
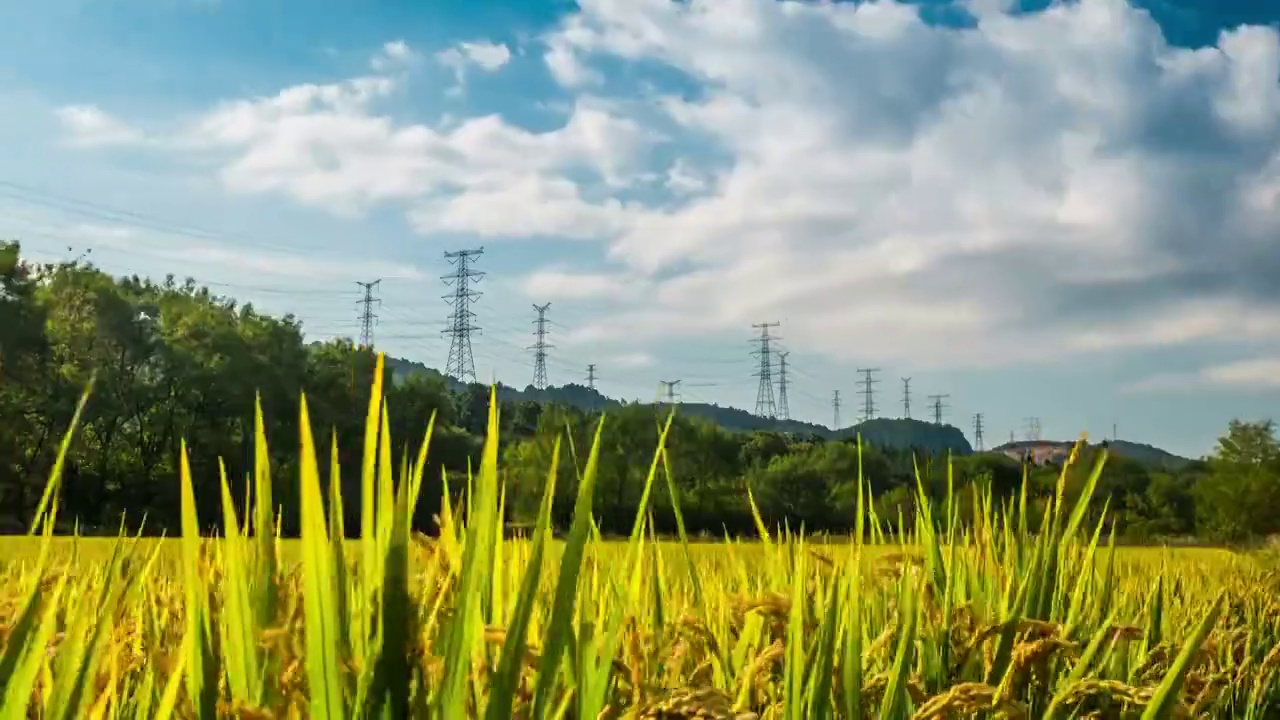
{"type": "Point", "coordinates": [868, 392]}
{"type": "Point", "coordinates": [906, 398]}
{"type": "Point", "coordinates": [670, 385]}
{"type": "Point", "coordinates": [539, 348]}
{"type": "Point", "coordinates": [784, 409]}
{"type": "Point", "coordinates": [977, 431]}
{"type": "Point", "coordinates": [591, 377]}
{"type": "Point", "coordinates": [835, 407]}
{"type": "Point", "coordinates": [1033, 429]}
{"type": "Point", "coordinates": [368, 318]}
{"type": "Point", "coordinates": [461, 365]}
{"type": "Point", "coordinates": [938, 406]}
{"type": "Point", "coordinates": [765, 406]}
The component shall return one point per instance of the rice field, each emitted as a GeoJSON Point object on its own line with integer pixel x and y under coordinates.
{"type": "Point", "coordinates": [964, 617]}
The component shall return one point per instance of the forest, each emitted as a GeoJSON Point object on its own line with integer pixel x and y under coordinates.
{"type": "Point", "coordinates": [173, 362]}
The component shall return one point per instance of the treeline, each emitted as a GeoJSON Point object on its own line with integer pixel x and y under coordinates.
{"type": "Point", "coordinates": [176, 363]}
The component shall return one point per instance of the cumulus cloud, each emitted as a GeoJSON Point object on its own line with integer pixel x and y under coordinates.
{"type": "Point", "coordinates": [395, 55]}
{"type": "Point", "coordinates": [1039, 185]}
{"type": "Point", "coordinates": [333, 146]}
{"type": "Point", "coordinates": [90, 126]}
{"type": "Point", "coordinates": [1047, 182]}
{"type": "Point", "coordinates": [487, 56]}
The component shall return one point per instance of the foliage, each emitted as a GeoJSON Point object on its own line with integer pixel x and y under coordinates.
{"type": "Point", "coordinates": [967, 616]}
{"type": "Point", "coordinates": [174, 361]}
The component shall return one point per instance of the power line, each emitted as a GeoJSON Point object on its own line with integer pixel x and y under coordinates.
{"type": "Point", "coordinates": [868, 393]}
{"type": "Point", "coordinates": [591, 377]}
{"type": "Point", "coordinates": [906, 398]}
{"type": "Point", "coordinates": [977, 431]}
{"type": "Point", "coordinates": [784, 409]}
{"type": "Point", "coordinates": [835, 407]}
{"type": "Point", "coordinates": [461, 364]}
{"type": "Point", "coordinates": [539, 348]}
{"type": "Point", "coordinates": [98, 211]}
{"type": "Point", "coordinates": [938, 406]}
{"type": "Point", "coordinates": [670, 385]}
{"type": "Point", "coordinates": [765, 405]}
{"type": "Point", "coordinates": [367, 317]}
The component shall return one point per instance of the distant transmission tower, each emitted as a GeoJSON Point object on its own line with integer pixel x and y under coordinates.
{"type": "Point", "coordinates": [461, 365]}
{"type": "Point", "coordinates": [868, 393]}
{"type": "Point", "coordinates": [539, 348]}
{"type": "Point", "coordinates": [765, 406]}
{"type": "Point", "coordinates": [906, 398]}
{"type": "Point", "coordinates": [591, 377]}
{"type": "Point", "coordinates": [368, 318]}
{"type": "Point", "coordinates": [670, 385]}
{"type": "Point", "coordinates": [835, 407]}
{"type": "Point", "coordinates": [784, 409]}
{"type": "Point", "coordinates": [938, 407]}
{"type": "Point", "coordinates": [1033, 429]}
{"type": "Point", "coordinates": [977, 431]}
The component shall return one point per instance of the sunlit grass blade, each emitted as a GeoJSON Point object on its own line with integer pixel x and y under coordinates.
{"type": "Point", "coordinates": [202, 671]}
{"type": "Point", "coordinates": [463, 633]}
{"type": "Point", "coordinates": [323, 648]}
{"type": "Point", "coordinates": [239, 629]}
{"type": "Point", "coordinates": [1165, 698]}
{"type": "Point", "coordinates": [502, 694]}
{"type": "Point", "coordinates": [46, 508]}
{"type": "Point", "coordinates": [560, 621]}
{"type": "Point", "coordinates": [265, 592]}
{"type": "Point", "coordinates": [19, 684]}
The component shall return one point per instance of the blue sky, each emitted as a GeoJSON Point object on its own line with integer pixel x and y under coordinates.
{"type": "Point", "coordinates": [1067, 211]}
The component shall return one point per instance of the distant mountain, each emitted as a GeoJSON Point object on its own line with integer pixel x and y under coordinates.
{"type": "Point", "coordinates": [571, 394]}
{"type": "Point", "coordinates": [905, 433]}
{"type": "Point", "coordinates": [881, 432]}
{"type": "Point", "coordinates": [1149, 455]}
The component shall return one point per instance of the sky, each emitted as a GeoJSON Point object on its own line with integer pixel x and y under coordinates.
{"type": "Point", "coordinates": [1067, 211]}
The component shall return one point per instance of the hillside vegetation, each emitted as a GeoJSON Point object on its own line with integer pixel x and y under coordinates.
{"type": "Point", "coordinates": [1000, 612]}
{"type": "Point", "coordinates": [176, 363]}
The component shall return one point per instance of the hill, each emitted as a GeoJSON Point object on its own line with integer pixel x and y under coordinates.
{"type": "Point", "coordinates": [1149, 455]}
{"type": "Point", "coordinates": [881, 432]}
{"type": "Point", "coordinates": [1057, 450]}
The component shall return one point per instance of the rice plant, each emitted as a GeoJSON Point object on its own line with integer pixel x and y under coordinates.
{"type": "Point", "coordinates": [957, 617]}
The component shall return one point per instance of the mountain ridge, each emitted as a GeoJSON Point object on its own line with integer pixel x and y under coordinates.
{"type": "Point", "coordinates": [898, 433]}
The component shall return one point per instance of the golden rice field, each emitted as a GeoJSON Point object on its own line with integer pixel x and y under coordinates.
{"type": "Point", "coordinates": [965, 617]}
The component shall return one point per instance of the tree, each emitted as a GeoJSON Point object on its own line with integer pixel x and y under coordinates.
{"type": "Point", "coordinates": [1240, 496]}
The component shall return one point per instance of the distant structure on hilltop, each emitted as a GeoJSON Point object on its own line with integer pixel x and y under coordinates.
{"type": "Point", "coordinates": [1037, 452]}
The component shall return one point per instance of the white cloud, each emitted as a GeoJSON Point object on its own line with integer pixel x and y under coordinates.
{"type": "Point", "coordinates": [1254, 374]}
{"type": "Point", "coordinates": [565, 64]}
{"type": "Point", "coordinates": [553, 285]}
{"type": "Point", "coordinates": [1039, 185]}
{"type": "Point", "coordinates": [89, 126]}
{"type": "Point", "coordinates": [1045, 183]}
{"type": "Point", "coordinates": [331, 146]}
{"type": "Point", "coordinates": [487, 56]}
{"type": "Point", "coordinates": [394, 55]}
{"type": "Point", "coordinates": [682, 179]}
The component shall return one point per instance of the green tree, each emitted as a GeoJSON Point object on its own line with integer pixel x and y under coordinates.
{"type": "Point", "coordinates": [1240, 496]}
